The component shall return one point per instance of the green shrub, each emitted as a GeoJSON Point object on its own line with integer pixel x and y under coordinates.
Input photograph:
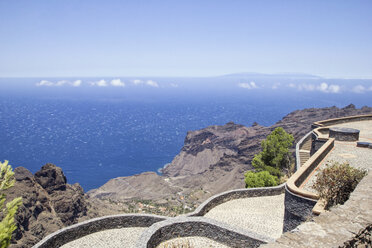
{"type": "Point", "coordinates": [335, 183]}
{"type": "Point", "coordinates": [7, 225]}
{"type": "Point", "coordinates": [259, 179]}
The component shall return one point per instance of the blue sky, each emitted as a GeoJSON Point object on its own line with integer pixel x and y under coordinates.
{"type": "Point", "coordinates": [185, 38]}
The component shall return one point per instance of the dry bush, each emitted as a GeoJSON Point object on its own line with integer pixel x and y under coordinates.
{"type": "Point", "coordinates": [335, 183]}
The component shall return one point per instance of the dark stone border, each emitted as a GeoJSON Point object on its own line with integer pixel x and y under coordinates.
{"type": "Point", "coordinates": [201, 227]}
{"type": "Point", "coordinates": [79, 230]}
{"type": "Point", "coordinates": [296, 210]}
{"type": "Point", "coordinates": [235, 194]}
{"type": "Point", "coordinates": [344, 134]}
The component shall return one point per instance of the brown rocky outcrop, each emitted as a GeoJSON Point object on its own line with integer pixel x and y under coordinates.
{"type": "Point", "coordinates": [49, 203]}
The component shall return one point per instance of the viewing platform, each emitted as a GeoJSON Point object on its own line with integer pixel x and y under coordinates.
{"type": "Point", "coordinates": [257, 216]}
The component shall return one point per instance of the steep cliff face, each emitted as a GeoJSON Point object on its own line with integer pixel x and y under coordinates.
{"type": "Point", "coordinates": [206, 147]}
{"type": "Point", "coordinates": [49, 204]}
{"type": "Point", "coordinates": [215, 158]}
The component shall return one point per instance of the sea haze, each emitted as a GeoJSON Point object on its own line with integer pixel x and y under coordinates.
{"type": "Point", "coordinates": [100, 128]}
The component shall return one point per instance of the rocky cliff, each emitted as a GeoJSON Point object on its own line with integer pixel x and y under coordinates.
{"type": "Point", "coordinates": [49, 204]}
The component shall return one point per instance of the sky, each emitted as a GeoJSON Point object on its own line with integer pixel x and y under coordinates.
{"type": "Point", "coordinates": [91, 38]}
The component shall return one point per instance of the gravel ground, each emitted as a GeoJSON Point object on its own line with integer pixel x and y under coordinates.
{"type": "Point", "coordinates": [358, 157]}
{"type": "Point", "coordinates": [193, 242]}
{"type": "Point", "coordinates": [124, 237]}
{"type": "Point", "coordinates": [263, 215]}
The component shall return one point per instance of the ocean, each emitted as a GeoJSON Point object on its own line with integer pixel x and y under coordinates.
{"type": "Point", "coordinates": [96, 129]}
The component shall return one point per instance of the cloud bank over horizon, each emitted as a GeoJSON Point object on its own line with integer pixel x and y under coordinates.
{"type": "Point", "coordinates": [323, 87]}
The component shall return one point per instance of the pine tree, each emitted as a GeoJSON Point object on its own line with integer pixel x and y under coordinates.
{"type": "Point", "coordinates": [275, 155]}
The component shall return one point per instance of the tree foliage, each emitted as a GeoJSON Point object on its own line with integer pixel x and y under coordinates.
{"type": "Point", "coordinates": [259, 179]}
{"type": "Point", "coordinates": [8, 210]}
{"type": "Point", "coordinates": [275, 152]}
{"type": "Point", "coordinates": [336, 182]}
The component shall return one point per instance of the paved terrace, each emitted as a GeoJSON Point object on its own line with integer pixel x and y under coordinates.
{"type": "Point", "coordinates": [343, 151]}
{"type": "Point", "coordinates": [263, 215]}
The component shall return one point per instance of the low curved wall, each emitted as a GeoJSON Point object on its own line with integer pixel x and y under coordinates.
{"type": "Point", "coordinates": [201, 227]}
{"type": "Point", "coordinates": [236, 194]}
{"type": "Point", "coordinates": [79, 230]}
{"type": "Point", "coordinates": [299, 177]}
{"type": "Point", "coordinates": [335, 121]}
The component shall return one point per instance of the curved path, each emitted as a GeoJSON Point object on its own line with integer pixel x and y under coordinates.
{"type": "Point", "coordinates": [112, 238]}
{"type": "Point", "coordinates": [263, 215]}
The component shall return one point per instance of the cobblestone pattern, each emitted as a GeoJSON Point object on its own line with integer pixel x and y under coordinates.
{"type": "Point", "coordinates": [77, 231]}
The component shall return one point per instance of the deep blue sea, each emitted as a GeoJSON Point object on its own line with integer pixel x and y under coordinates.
{"type": "Point", "coordinates": [97, 131]}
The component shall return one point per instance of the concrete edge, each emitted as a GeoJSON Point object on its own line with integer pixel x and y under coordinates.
{"type": "Point", "coordinates": [303, 172]}
{"type": "Point", "coordinates": [179, 227]}
{"type": "Point", "coordinates": [79, 230]}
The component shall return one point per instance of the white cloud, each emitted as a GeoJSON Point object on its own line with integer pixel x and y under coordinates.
{"type": "Point", "coordinates": [44, 83]}
{"type": "Point", "coordinates": [100, 83]}
{"type": "Point", "coordinates": [60, 83]}
{"type": "Point", "coordinates": [323, 87]}
{"type": "Point", "coordinates": [137, 81]}
{"type": "Point", "coordinates": [275, 86]}
{"type": "Point", "coordinates": [307, 87]}
{"type": "Point", "coordinates": [333, 88]}
{"type": "Point", "coordinates": [359, 89]}
{"type": "Point", "coordinates": [174, 85]}
{"type": "Point", "coordinates": [117, 83]}
{"type": "Point", "coordinates": [76, 83]}
{"type": "Point", "coordinates": [251, 85]}
{"type": "Point", "coordinates": [152, 83]}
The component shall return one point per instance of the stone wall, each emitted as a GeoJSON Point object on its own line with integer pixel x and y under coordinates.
{"type": "Point", "coordinates": [297, 209]}
{"type": "Point", "coordinates": [236, 194]}
{"type": "Point", "coordinates": [77, 231]}
{"type": "Point", "coordinates": [202, 227]}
